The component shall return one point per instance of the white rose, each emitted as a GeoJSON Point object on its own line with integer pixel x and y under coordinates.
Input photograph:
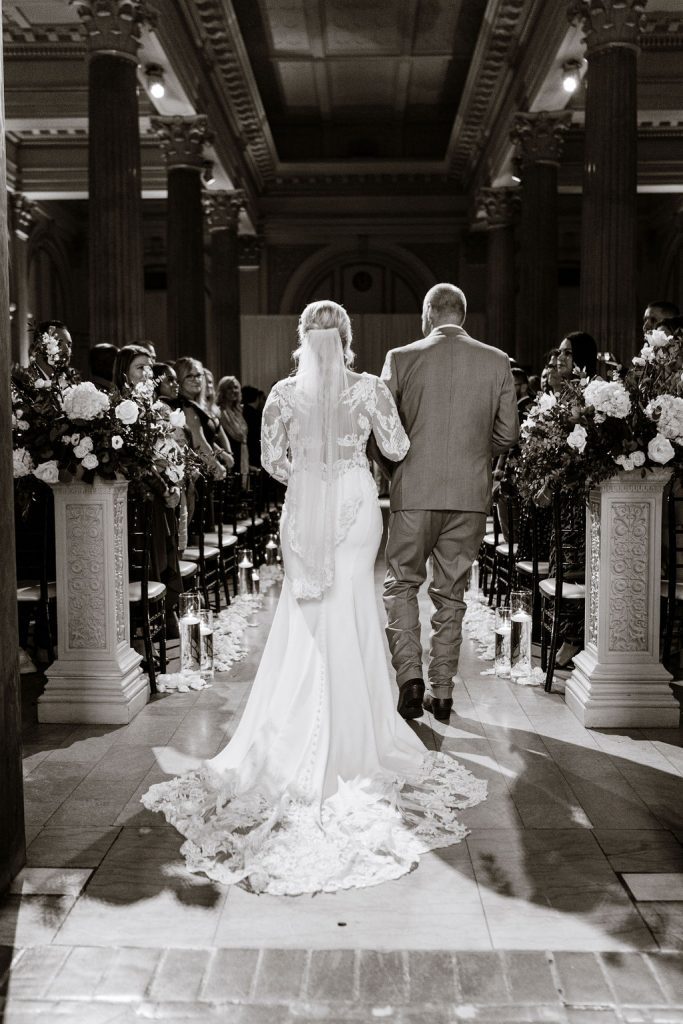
{"type": "Point", "coordinates": [174, 473]}
{"type": "Point", "coordinates": [127, 411]}
{"type": "Point", "coordinates": [667, 413]}
{"type": "Point", "coordinates": [80, 452]}
{"type": "Point", "coordinates": [638, 458]}
{"type": "Point", "coordinates": [90, 461]}
{"type": "Point", "coordinates": [86, 442]}
{"type": "Point", "coordinates": [22, 463]}
{"type": "Point", "coordinates": [23, 425]}
{"type": "Point", "coordinates": [660, 449]}
{"type": "Point", "coordinates": [625, 461]}
{"type": "Point", "coordinates": [48, 472]}
{"type": "Point", "coordinates": [20, 413]}
{"type": "Point", "coordinates": [546, 402]}
{"type": "Point", "coordinates": [116, 441]}
{"type": "Point", "coordinates": [577, 438]}
{"type": "Point", "coordinates": [40, 382]}
{"type": "Point", "coordinates": [84, 401]}
{"type": "Point", "coordinates": [638, 361]}
{"type": "Point", "coordinates": [658, 338]}
{"type": "Point", "coordinates": [177, 418]}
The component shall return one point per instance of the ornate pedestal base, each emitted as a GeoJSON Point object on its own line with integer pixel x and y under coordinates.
{"type": "Point", "coordinates": [618, 679]}
{"type": "Point", "coordinates": [96, 677]}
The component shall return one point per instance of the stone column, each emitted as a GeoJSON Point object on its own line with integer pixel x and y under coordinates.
{"type": "Point", "coordinates": [500, 206]}
{"type": "Point", "coordinates": [222, 211]}
{"type": "Point", "coordinates": [22, 223]}
{"type": "Point", "coordinates": [182, 141]}
{"type": "Point", "coordinates": [114, 177]}
{"type": "Point", "coordinates": [539, 139]}
{"type": "Point", "coordinates": [608, 213]}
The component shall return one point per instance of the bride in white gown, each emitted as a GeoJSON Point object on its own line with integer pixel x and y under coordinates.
{"type": "Point", "coordinates": [323, 785]}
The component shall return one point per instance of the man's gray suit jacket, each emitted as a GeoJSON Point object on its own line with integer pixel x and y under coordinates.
{"type": "Point", "coordinates": [457, 402]}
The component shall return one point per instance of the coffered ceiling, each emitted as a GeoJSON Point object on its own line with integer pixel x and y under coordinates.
{"type": "Point", "coordinates": [334, 96]}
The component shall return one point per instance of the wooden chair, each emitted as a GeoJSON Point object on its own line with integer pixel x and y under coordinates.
{"type": "Point", "coordinates": [533, 557]}
{"type": "Point", "coordinates": [146, 597]}
{"type": "Point", "coordinates": [487, 554]}
{"type": "Point", "coordinates": [223, 539]}
{"type": "Point", "coordinates": [505, 554]}
{"type": "Point", "coordinates": [672, 586]}
{"type": "Point", "coordinates": [562, 595]}
{"type": "Point", "coordinates": [35, 563]}
{"type": "Point", "coordinates": [205, 555]}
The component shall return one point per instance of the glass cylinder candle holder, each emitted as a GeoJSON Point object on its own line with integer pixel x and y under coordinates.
{"type": "Point", "coordinates": [520, 633]}
{"type": "Point", "coordinates": [190, 633]}
{"type": "Point", "coordinates": [245, 569]}
{"type": "Point", "coordinates": [256, 581]}
{"type": "Point", "coordinates": [502, 652]}
{"type": "Point", "coordinates": [271, 550]}
{"type": "Point", "coordinates": [206, 643]}
{"type": "Point", "coordinates": [473, 581]}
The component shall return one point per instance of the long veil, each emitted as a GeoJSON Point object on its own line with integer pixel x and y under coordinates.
{"type": "Point", "coordinates": [323, 429]}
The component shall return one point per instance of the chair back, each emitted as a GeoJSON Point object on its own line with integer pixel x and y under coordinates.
{"type": "Point", "coordinates": [139, 540]}
{"type": "Point", "coordinates": [568, 548]}
{"type": "Point", "coordinates": [34, 532]}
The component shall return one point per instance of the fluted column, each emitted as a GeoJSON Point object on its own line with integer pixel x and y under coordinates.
{"type": "Point", "coordinates": [22, 222]}
{"type": "Point", "coordinates": [609, 211]}
{"type": "Point", "coordinates": [500, 206]}
{"type": "Point", "coordinates": [182, 141]}
{"type": "Point", "coordinates": [12, 843]}
{"type": "Point", "coordinates": [539, 140]}
{"type": "Point", "coordinates": [222, 211]}
{"type": "Point", "coordinates": [114, 177]}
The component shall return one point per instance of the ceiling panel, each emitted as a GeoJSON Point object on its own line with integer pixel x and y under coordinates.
{"type": "Point", "coordinates": [297, 80]}
{"type": "Point", "coordinates": [286, 26]}
{"type": "Point", "coordinates": [435, 24]}
{"type": "Point", "coordinates": [358, 27]}
{"type": "Point", "coordinates": [427, 80]}
{"type": "Point", "coordinates": [364, 82]}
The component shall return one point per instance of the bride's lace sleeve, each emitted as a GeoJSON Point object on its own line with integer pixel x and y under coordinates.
{"type": "Point", "coordinates": [274, 441]}
{"type": "Point", "coordinates": [386, 425]}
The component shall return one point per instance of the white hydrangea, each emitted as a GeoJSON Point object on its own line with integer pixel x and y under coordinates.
{"type": "Point", "coordinates": [625, 461]}
{"type": "Point", "coordinates": [667, 412]}
{"type": "Point", "coordinates": [608, 398]}
{"type": "Point", "coordinates": [84, 401]}
{"type": "Point", "coordinates": [545, 402]}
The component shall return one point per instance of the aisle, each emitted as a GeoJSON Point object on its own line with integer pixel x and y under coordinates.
{"type": "Point", "coordinates": [515, 915]}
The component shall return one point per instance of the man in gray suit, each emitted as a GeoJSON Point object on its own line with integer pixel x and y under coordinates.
{"type": "Point", "coordinates": [457, 401]}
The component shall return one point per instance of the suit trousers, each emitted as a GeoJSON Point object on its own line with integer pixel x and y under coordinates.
{"type": "Point", "coordinates": [452, 539]}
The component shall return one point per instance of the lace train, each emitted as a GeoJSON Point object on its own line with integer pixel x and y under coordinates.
{"type": "Point", "coordinates": [369, 831]}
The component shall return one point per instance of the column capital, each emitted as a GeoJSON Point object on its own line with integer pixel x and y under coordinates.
{"type": "Point", "coordinates": [500, 205]}
{"type": "Point", "coordinates": [539, 137]}
{"type": "Point", "coordinates": [251, 247]}
{"type": "Point", "coordinates": [182, 139]}
{"type": "Point", "coordinates": [113, 26]}
{"type": "Point", "coordinates": [608, 22]}
{"type": "Point", "coordinates": [222, 208]}
{"type": "Point", "coordinates": [23, 214]}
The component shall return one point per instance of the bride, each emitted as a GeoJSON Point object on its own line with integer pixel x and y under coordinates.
{"type": "Point", "coordinates": [323, 785]}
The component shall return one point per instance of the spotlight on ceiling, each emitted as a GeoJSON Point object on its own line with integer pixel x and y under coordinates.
{"type": "Point", "coordinates": [571, 75]}
{"type": "Point", "coordinates": [208, 177]}
{"type": "Point", "coordinates": [155, 81]}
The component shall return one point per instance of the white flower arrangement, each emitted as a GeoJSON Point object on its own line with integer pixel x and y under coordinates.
{"type": "Point", "coordinates": [667, 412]}
{"type": "Point", "coordinates": [48, 472]}
{"type": "Point", "coordinates": [127, 412]}
{"type": "Point", "coordinates": [84, 401]}
{"type": "Point", "coordinates": [577, 438]}
{"type": "Point", "coordinates": [22, 463]}
{"type": "Point", "coordinates": [608, 398]}
{"type": "Point", "coordinates": [660, 450]}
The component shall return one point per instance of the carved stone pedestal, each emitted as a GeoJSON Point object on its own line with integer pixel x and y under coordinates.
{"type": "Point", "coordinates": [618, 679]}
{"type": "Point", "coordinates": [97, 676]}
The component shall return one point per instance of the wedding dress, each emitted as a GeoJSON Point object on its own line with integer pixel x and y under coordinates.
{"type": "Point", "coordinates": [323, 786]}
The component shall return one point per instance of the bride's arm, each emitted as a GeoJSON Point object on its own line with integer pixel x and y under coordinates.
{"type": "Point", "coordinates": [387, 428]}
{"type": "Point", "coordinates": [274, 443]}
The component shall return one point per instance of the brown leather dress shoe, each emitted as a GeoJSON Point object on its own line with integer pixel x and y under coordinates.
{"type": "Point", "coordinates": [440, 707]}
{"type": "Point", "coordinates": [410, 699]}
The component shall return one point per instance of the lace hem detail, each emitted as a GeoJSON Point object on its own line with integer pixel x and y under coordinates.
{"type": "Point", "coordinates": [370, 831]}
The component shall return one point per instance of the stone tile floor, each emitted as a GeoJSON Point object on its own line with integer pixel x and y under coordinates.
{"type": "Point", "coordinates": [535, 917]}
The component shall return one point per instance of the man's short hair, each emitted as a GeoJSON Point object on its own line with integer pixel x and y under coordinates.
{"type": "Point", "coordinates": [519, 374]}
{"type": "Point", "coordinates": [666, 308]}
{"type": "Point", "coordinates": [447, 298]}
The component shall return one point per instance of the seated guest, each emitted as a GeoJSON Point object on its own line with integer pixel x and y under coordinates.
{"type": "Point", "coordinates": [190, 375]}
{"type": "Point", "coordinates": [150, 347]}
{"type": "Point", "coordinates": [655, 312]}
{"type": "Point", "coordinates": [534, 383]}
{"type": "Point", "coordinates": [577, 355]}
{"type": "Point", "coordinates": [524, 396]}
{"type": "Point", "coordinates": [229, 399]}
{"type": "Point", "coordinates": [101, 359]}
{"type": "Point", "coordinates": [252, 410]}
{"type": "Point", "coordinates": [551, 379]}
{"type": "Point", "coordinates": [215, 434]}
{"type": "Point", "coordinates": [50, 350]}
{"type": "Point", "coordinates": [132, 365]}
{"type": "Point", "coordinates": [166, 390]}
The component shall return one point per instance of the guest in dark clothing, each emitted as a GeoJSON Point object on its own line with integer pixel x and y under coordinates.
{"type": "Point", "coordinates": [655, 312]}
{"type": "Point", "coordinates": [253, 401]}
{"type": "Point", "coordinates": [578, 355]}
{"type": "Point", "coordinates": [101, 360]}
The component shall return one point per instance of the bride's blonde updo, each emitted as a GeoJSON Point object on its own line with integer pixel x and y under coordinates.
{"type": "Point", "coordinates": [320, 315]}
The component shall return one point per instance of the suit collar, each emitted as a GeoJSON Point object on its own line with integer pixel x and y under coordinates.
{"type": "Point", "coordinates": [450, 330]}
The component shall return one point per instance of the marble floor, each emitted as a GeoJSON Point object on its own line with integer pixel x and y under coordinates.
{"type": "Point", "coordinates": [564, 903]}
